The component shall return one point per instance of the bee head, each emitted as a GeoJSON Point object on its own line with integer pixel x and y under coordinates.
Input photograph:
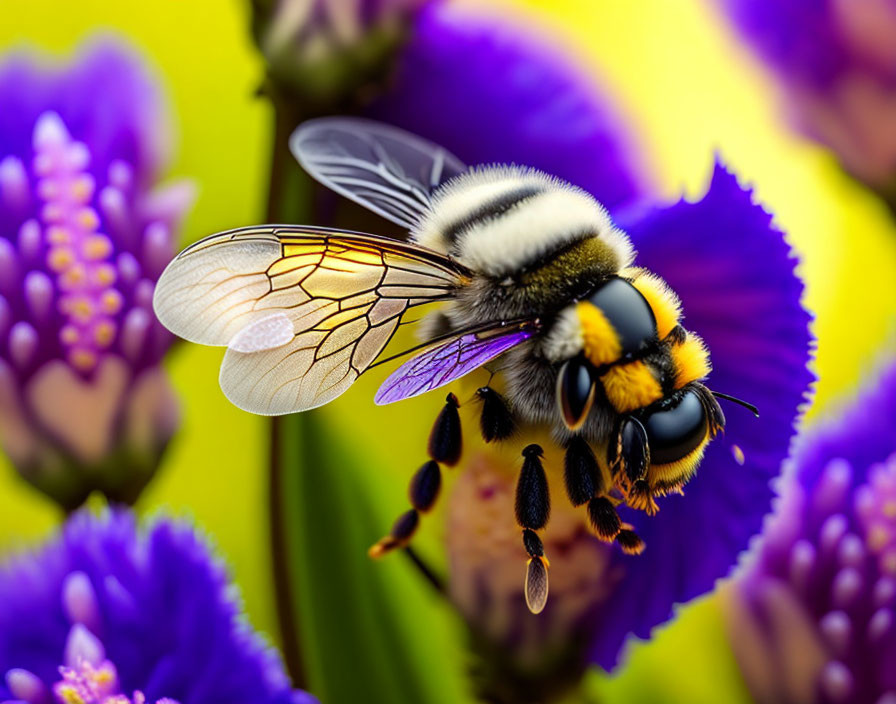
{"type": "Point", "coordinates": [663, 444]}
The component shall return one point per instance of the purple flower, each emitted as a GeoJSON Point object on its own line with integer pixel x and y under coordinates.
{"type": "Point", "coordinates": [812, 616]}
{"type": "Point", "coordinates": [492, 92]}
{"type": "Point", "coordinates": [84, 233]}
{"type": "Point", "coordinates": [125, 610]}
{"type": "Point", "coordinates": [836, 61]}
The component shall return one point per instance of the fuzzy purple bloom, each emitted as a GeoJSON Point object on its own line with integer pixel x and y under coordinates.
{"type": "Point", "coordinates": [836, 61]}
{"type": "Point", "coordinates": [153, 605]}
{"type": "Point", "coordinates": [490, 91]}
{"type": "Point", "coordinates": [813, 617]}
{"type": "Point", "coordinates": [84, 234]}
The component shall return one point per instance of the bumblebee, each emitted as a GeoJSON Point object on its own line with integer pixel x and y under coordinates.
{"type": "Point", "coordinates": [536, 284]}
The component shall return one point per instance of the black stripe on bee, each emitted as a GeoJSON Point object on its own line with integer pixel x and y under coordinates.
{"type": "Point", "coordinates": [491, 209]}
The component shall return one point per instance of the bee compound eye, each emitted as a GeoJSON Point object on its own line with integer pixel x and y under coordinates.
{"type": "Point", "coordinates": [575, 391]}
{"type": "Point", "coordinates": [677, 430]}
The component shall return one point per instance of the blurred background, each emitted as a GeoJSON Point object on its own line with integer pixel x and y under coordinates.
{"type": "Point", "coordinates": [687, 86]}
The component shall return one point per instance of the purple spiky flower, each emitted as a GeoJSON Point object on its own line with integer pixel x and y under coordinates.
{"type": "Point", "coordinates": [813, 617]}
{"type": "Point", "coordinates": [84, 233]}
{"type": "Point", "coordinates": [108, 608]}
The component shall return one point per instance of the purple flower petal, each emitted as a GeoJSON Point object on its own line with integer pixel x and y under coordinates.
{"type": "Point", "coordinates": [106, 98]}
{"type": "Point", "coordinates": [443, 364]}
{"type": "Point", "coordinates": [798, 35]}
{"type": "Point", "coordinates": [163, 610]}
{"type": "Point", "coordinates": [735, 275]}
{"type": "Point", "coordinates": [827, 562]}
{"type": "Point", "coordinates": [865, 437]}
{"type": "Point", "coordinates": [492, 91]}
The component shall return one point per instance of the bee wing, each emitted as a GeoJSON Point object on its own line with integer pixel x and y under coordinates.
{"type": "Point", "coordinates": [303, 311]}
{"type": "Point", "coordinates": [385, 169]}
{"type": "Point", "coordinates": [444, 363]}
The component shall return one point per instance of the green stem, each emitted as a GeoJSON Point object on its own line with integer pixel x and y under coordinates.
{"type": "Point", "coordinates": [288, 201]}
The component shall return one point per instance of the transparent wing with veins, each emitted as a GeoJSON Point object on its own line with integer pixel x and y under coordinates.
{"type": "Point", "coordinates": [444, 363]}
{"type": "Point", "coordinates": [385, 169]}
{"type": "Point", "coordinates": [303, 311]}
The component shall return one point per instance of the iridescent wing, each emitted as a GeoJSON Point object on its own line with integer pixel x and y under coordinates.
{"type": "Point", "coordinates": [385, 169]}
{"type": "Point", "coordinates": [444, 363]}
{"type": "Point", "coordinates": [303, 311]}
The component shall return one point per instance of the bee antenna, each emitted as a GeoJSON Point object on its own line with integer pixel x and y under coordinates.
{"type": "Point", "coordinates": [739, 401]}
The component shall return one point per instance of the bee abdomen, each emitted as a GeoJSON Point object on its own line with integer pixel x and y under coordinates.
{"type": "Point", "coordinates": [499, 221]}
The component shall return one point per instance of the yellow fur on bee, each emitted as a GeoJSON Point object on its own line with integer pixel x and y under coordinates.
{"type": "Point", "coordinates": [600, 342]}
{"type": "Point", "coordinates": [668, 476]}
{"type": "Point", "coordinates": [631, 386]}
{"type": "Point", "coordinates": [691, 360]}
{"type": "Point", "coordinates": [661, 299]}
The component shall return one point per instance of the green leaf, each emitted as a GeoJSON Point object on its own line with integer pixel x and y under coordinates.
{"type": "Point", "coordinates": [370, 631]}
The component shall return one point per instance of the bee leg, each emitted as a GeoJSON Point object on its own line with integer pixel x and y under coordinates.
{"type": "Point", "coordinates": [628, 456]}
{"type": "Point", "coordinates": [444, 447]}
{"type": "Point", "coordinates": [496, 420]}
{"type": "Point", "coordinates": [445, 440]}
{"type": "Point", "coordinates": [585, 485]}
{"type": "Point", "coordinates": [714, 414]}
{"type": "Point", "coordinates": [629, 541]}
{"type": "Point", "coordinates": [533, 508]}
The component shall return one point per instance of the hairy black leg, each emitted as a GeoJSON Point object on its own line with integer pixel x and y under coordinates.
{"type": "Point", "coordinates": [714, 414]}
{"type": "Point", "coordinates": [444, 446]}
{"type": "Point", "coordinates": [445, 441]}
{"type": "Point", "coordinates": [581, 472]}
{"type": "Point", "coordinates": [629, 541]}
{"type": "Point", "coordinates": [584, 484]}
{"type": "Point", "coordinates": [533, 508]}
{"type": "Point", "coordinates": [628, 454]}
{"type": "Point", "coordinates": [496, 420]}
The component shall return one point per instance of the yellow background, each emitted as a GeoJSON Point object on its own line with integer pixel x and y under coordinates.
{"type": "Point", "coordinates": [689, 89]}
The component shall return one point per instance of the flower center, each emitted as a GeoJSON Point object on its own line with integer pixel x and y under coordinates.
{"type": "Point", "coordinates": [77, 253]}
{"type": "Point", "coordinates": [88, 684]}
{"type": "Point", "coordinates": [876, 508]}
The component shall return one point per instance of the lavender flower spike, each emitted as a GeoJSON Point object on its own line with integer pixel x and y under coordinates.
{"type": "Point", "coordinates": [106, 609]}
{"type": "Point", "coordinates": [813, 618]}
{"type": "Point", "coordinates": [84, 233]}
